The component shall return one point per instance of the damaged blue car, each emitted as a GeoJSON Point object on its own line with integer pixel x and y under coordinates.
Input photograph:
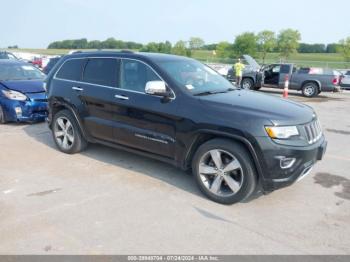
{"type": "Point", "coordinates": [22, 94]}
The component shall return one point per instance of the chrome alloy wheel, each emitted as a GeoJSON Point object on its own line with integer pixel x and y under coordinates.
{"type": "Point", "coordinates": [309, 90]}
{"type": "Point", "coordinates": [246, 84]}
{"type": "Point", "coordinates": [221, 173]}
{"type": "Point", "coordinates": [64, 133]}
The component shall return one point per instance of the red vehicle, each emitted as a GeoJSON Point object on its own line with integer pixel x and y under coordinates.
{"type": "Point", "coordinates": [37, 61]}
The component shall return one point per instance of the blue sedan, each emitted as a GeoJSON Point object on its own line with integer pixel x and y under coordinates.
{"type": "Point", "coordinates": [22, 94]}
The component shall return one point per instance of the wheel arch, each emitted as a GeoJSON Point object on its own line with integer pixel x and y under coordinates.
{"type": "Point", "coordinates": [59, 105]}
{"type": "Point", "coordinates": [203, 136]}
{"type": "Point", "coordinates": [249, 77]}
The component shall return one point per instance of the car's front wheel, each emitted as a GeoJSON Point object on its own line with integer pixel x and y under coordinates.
{"type": "Point", "coordinates": [247, 83]}
{"type": "Point", "coordinates": [224, 171]}
{"type": "Point", "coordinates": [2, 116]}
{"type": "Point", "coordinates": [67, 134]}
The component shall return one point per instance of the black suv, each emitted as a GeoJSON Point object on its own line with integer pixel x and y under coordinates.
{"type": "Point", "coordinates": [177, 110]}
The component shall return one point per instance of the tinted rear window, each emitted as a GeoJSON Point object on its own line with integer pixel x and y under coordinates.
{"type": "Point", "coordinates": [101, 71]}
{"type": "Point", "coordinates": [71, 70]}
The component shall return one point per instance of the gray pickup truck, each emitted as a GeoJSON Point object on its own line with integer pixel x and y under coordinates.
{"type": "Point", "coordinates": [310, 81]}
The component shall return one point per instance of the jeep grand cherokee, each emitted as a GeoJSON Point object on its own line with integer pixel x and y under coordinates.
{"type": "Point", "coordinates": [177, 110]}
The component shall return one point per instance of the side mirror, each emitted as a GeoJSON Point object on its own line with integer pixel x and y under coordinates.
{"type": "Point", "coordinates": [157, 88]}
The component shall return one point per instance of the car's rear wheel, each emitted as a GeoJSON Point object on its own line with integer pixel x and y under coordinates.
{"type": "Point", "coordinates": [247, 83]}
{"type": "Point", "coordinates": [2, 116]}
{"type": "Point", "coordinates": [224, 171]}
{"type": "Point", "coordinates": [310, 90]}
{"type": "Point", "coordinates": [67, 134]}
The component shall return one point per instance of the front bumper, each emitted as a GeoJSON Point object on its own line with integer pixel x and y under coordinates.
{"type": "Point", "coordinates": [274, 176]}
{"type": "Point", "coordinates": [33, 110]}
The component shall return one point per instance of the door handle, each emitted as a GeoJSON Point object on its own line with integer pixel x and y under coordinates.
{"type": "Point", "coordinates": [121, 97]}
{"type": "Point", "coordinates": [77, 88]}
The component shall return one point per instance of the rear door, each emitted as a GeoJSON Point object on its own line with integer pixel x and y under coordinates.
{"type": "Point", "coordinates": [96, 90]}
{"type": "Point", "coordinates": [143, 121]}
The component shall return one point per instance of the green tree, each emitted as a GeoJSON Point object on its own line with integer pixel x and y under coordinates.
{"type": "Point", "coordinates": [332, 48]}
{"type": "Point", "coordinates": [196, 43]}
{"type": "Point", "coordinates": [245, 43]}
{"type": "Point", "coordinates": [210, 47]}
{"type": "Point", "coordinates": [267, 42]}
{"type": "Point", "coordinates": [95, 44]}
{"type": "Point", "coordinates": [224, 50]}
{"type": "Point", "coordinates": [109, 43]}
{"type": "Point", "coordinates": [311, 48]}
{"type": "Point", "coordinates": [180, 48]}
{"type": "Point", "coordinates": [288, 42]}
{"type": "Point", "coordinates": [165, 47]}
{"type": "Point", "coordinates": [344, 48]}
{"type": "Point", "coordinates": [150, 47]}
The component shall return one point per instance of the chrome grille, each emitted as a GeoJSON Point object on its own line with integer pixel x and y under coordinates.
{"type": "Point", "coordinates": [313, 131]}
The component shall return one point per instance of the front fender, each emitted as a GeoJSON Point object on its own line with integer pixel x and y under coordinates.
{"type": "Point", "coordinates": [193, 147]}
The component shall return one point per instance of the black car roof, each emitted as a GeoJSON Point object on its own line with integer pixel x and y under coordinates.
{"type": "Point", "coordinates": [128, 54]}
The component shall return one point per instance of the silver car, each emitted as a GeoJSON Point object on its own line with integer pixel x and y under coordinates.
{"type": "Point", "coordinates": [345, 81]}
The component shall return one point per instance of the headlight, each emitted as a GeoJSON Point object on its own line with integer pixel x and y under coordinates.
{"type": "Point", "coordinates": [282, 132]}
{"type": "Point", "coordinates": [14, 95]}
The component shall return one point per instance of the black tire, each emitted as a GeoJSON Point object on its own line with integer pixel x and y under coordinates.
{"type": "Point", "coordinates": [247, 84]}
{"type": "Point", "coordinates": [2, 116]}
{"type": "Point", "coordinates": [247, 171]}
{"type": "Point", "coordinates": [79, 143]}
{"type": "Point", "coordinates": [310, 89]}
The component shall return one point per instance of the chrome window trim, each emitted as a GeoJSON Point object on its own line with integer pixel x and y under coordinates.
{"type": "Point", "coordinates": [111, 87]}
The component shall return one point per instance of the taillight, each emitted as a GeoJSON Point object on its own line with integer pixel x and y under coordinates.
{"type": "Point", "coordinates": [335, 81]}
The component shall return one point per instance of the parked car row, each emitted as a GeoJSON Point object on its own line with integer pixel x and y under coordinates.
{"type": "Point", "coordinates": [43, 63]}
{"type": "Point", "coordinates": [173, 109]}
{"type": "Point", "coordinates": [310, 81]}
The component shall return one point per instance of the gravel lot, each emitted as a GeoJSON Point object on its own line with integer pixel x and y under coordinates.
{"type": "Point", "coordinates": [106, 201]}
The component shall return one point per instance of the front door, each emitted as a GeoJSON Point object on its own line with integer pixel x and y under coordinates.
{"type": "Point", "coordinates": [143, 121]}
{"type": "Point", "coordinates": [272, 75]}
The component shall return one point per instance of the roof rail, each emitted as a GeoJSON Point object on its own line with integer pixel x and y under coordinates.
{"type": "Point", "coordinates": [127, 51]}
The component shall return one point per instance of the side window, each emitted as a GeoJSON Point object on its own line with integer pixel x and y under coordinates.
{"type": "Point", "coordinates": [71, 70]}
{"type": "Point", "coordinates": [101, 71]}
{"type": "Point", "coordinates": [276, 69]}
{"type": "Point", "coordinates": [285, 69]}
{"type": "Point", "coordinates": [135, 75]}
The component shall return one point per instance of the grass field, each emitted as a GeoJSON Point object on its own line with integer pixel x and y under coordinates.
{"type": "Point", "coordinates": [333, 60]}
{"type": "Point", "coordinates": [316, 60]}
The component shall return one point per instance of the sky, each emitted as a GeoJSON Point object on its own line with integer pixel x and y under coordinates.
{"type": "Point", "coordinates": [36, 23]}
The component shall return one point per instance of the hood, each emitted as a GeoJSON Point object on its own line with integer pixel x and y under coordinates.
{"type": "Point", "coordinates": [24, 86]}
{"type": "Point", "coordinates": [251, 62]}
{"type": "Point", "coordinates": [262, 106]}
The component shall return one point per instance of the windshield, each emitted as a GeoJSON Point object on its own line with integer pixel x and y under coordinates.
{"type": "Point", "coordinates": [19, 72]}
{"type": "Point", "coordinates": [196, 77]}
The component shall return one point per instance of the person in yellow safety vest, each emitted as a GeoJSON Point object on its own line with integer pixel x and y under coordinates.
{"type": "Point", "coordinates": [238, 67]}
